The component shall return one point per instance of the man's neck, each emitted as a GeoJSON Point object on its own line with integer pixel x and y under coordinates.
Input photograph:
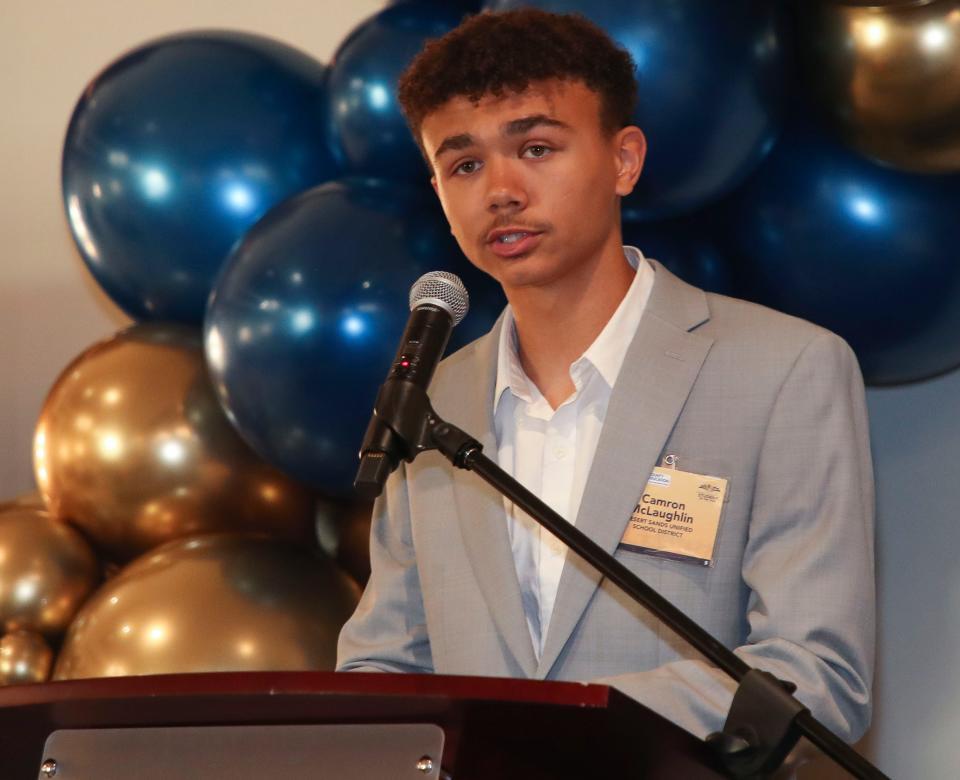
{"type": "Point", "coordinates": [556, 325]}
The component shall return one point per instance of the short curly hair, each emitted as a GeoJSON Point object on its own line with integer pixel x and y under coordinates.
{"type": "Point", "coordinates": [494, 53]}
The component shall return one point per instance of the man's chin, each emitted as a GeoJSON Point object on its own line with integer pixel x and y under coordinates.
{"type": "Point", "coordinates": [524, 276]}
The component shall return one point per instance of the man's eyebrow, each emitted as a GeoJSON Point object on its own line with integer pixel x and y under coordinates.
{"type": "Point", "coordinates": [454, 143]}
{"type": "Point", "coordinates": [526, 123]}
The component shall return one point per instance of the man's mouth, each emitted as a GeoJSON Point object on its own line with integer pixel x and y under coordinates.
{"type": "Point", "coordinates": [510, 234]}
{"type": "Point", "coordinates": [513, 241]}
{"type": "Point", "coordinates": [510, 238]}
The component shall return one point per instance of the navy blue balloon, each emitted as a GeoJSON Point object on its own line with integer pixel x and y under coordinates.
{"type": "Point", "coordinates": [306, 317]}
{"type": "Point", "coordinates": [866, 251]}
{"type": "Point", "coordinates": [688, 247]}
{"type": "Point", "coordinates": [176, 149]}
{"type": "Point", "coordinates": [368, 128]}
{"type": "Point", "coordinates": [710, 76]}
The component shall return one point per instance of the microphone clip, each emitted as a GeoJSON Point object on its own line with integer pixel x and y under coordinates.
{"type": "Point", "coordinates": [403, 425]}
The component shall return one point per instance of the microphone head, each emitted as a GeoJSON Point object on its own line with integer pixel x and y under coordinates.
{"type": "Point", "coordinates": [442, 289]}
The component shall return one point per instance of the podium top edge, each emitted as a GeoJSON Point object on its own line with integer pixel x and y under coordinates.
{"type": "Point", "coordinates": [286, 683]}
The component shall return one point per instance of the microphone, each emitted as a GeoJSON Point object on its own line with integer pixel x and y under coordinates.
{"type": "Point", "coordinates": [438, 302]}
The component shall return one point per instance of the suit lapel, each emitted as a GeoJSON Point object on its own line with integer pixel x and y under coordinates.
{"type": "Point", "coordinates": [659, 370]}
{"type": "Point", "coordinates": [480, 509]}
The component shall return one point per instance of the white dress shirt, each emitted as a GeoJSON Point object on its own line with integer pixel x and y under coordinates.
{"type": "Point", "coordinates": [550, 450]}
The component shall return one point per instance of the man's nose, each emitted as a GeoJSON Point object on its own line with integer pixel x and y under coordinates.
{"type": "Point", "coordinates": [505, 187]}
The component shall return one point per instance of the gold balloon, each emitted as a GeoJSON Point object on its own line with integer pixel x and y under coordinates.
{"type": "Point", "coordinates": [133, 447]}
{"type": "Point", "coordinates": [343, 532]}
{"type": "Point", "coordinates": [218, 602]}
{"type": "Point", "coordinates": [32, 498]}
{"type": "Point", "coordinates": [24, 658]}
{"type": "Point", "coordinates": [47, 570]}
{"type": "Point", "coordinates": [889, 73]}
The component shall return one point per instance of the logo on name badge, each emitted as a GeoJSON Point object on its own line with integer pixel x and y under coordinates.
{"type": "Point", "coordinates": [659, 479]}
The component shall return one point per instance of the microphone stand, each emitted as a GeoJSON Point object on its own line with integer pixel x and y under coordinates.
{"type": "Point", "coordinates": [765, 721]}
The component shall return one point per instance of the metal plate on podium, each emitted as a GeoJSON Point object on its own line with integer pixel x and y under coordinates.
{"type": "Point", "coordinates": [346, 752]}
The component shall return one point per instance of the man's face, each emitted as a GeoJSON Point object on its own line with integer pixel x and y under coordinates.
{"type": "Point", "coordinates": [530, 182]}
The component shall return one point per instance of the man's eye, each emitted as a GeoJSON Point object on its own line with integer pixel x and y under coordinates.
{"type": "Point", "coordinates": [537, 150]}
{"type": "Point", "coordinates": [467, 167]}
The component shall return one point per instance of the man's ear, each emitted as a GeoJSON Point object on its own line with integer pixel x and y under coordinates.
{"type": "Point", "coordinates": [631, 148]}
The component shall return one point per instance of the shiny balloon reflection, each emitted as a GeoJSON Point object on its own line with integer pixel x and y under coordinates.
{"type": "Point", "coordinates": [133, 447]}
{"type": "Point", "coordinates": [24, 658]}
{"type": "Point", "coordinates": [218, 602]}
{"type": "Point", "coordinates": [368, 127]}
{"type": "Point", "coordinates": [304, 321]}
{"type": "Point", "coordinates": [176, 149]}
{"type": "Point", "coordinates": [889, 75]}
{"type": "Point", "coordinates": [862, 249]}
{"type": "Point", "coordinates": [47, 570]}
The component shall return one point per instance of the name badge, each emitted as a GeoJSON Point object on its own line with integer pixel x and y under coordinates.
{"type": "Point", "coordinates": [678, 516]}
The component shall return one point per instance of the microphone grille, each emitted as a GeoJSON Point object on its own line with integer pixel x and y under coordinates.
{"type": "Point", "coordinates": [442, 289]}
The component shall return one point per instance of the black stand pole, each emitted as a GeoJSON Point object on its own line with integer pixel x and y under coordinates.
{"type": "Point", "coordinates": [764, 722]}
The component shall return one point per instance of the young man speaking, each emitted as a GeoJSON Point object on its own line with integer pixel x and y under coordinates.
{"type": "Point", "coordinates": [716, 448]}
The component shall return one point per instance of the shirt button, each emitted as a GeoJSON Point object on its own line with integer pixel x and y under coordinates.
{"type": "Point", "coordinates": [560, 453]}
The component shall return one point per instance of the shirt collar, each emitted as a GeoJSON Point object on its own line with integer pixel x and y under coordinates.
{"type": "Point", "coordinates": [605, 354]}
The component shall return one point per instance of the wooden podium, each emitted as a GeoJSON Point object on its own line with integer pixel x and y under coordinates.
{"type": "Point", "coordinates": [249, 724]}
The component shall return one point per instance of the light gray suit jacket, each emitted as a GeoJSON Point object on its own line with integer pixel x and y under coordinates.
{"type": "Point", "coordinates": [773, 404]}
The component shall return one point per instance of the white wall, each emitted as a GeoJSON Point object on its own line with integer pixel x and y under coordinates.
{"type": "Point", "coordinates": [915, 433]}
{"type": "Point", "coordinates": [916, 446]}
{"type": "Point", "coordinates": [50, 310]}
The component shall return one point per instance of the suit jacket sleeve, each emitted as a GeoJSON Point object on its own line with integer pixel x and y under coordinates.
{"type": "Point", "coordinates": [808, 563]}
{"type": "Point", "coordinates": [388, 630]}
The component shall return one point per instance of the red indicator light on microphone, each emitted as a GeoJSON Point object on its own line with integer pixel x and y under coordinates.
{"type": "Point", "coordinates": [405, 364]}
